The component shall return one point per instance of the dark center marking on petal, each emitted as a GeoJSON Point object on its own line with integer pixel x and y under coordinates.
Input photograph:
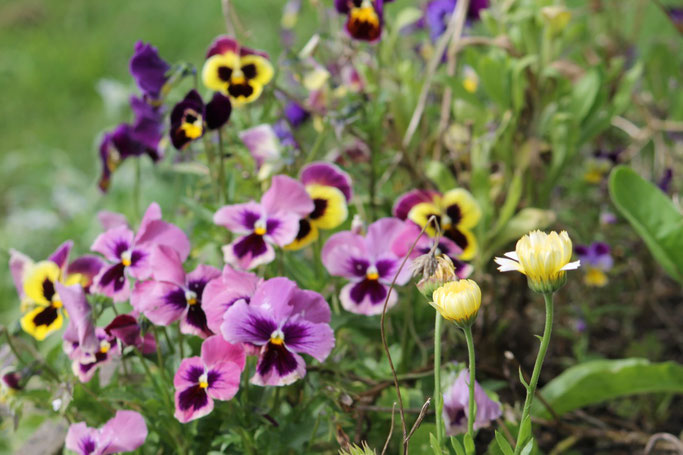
{"type": "Point", "coordinates": [371, 288]}
{"type": "Point", "coordinates": [136, 256]}
{"type": "Point", "coordinates": [454, 213]}
{"type": "Point", "coordinates": [46, 317]}
{"type": "Point", "coordinates": [120, 247]}
{"type": "Point", "coordinates": [457, 237]}
{"type": "Point", "coordinates": [193, 397]}
{"type": "Point", "coordinates": [385, 268]}
{"type": "Point", "coordinates": [87, 445]}
{"type": "Point", "coordinates": [114, 275]}
{"type": "Point", "coordinates": [249, 71]}
{"type": "Point", "coordinates": [320, 206]}
{"type": "Point", "coordinates": [224, 73]}
{"type": "Point", "coordinates": [197, 318]}
{"type": "Point", "coordinates": [253, 243]}
{"type": "Point", "coordinates": [276, 356]}
{"type": "Point", "coordinates": [176, 298]}
{"type": "Point", "coordinates": [364, 23]}
{"type": "Point", "coordinates": [295, 333]}
{"type": "Point", "coordinates": [48, 289]}
{"type": "Point", "coordinates": [193, 373]}
{"type": "Point", "coordinates": [304, 229]}
{"type": "Point", "coordinates": [240, 90]}
{"type": "Point", "coordinates": [359, 266]}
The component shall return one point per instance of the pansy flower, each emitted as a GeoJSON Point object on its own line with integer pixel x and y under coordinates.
{"type": "Point", "coordinates": [330, 189]}
{"type": "Point", "coordinates": [172, 295]}
{"type": "Point", "coordinates": [424, 245]}
{"type": "Point", "coordinates": [295, 114]}
{"type": "Point", "coordinates": [597, 260]}
{"type": "Point", "coordinates": [265, 147]}
{"type": "Point", "coordinates": [36, 286]}
{"type": "Point", "coordinates": [213, 376]}
{"type": "Point", "coordinates": [273, 221]}
{"type": "Point", "coordinates": [365, 18]}
{"type": "Point", "coordinates": [284, 322]}
{"type": "Point", "coordinates": [125, 432]}
{"type": "Point", "coordinates": [126, 329]}
{"type": "Point", "coordinates": [456, 406]}
{"type": "Point", "coordinates": [222, 292]}
{"type": "Point", "coordinates": [128, 253]}
{"type": "Point", "coordinates": [239, 72]}
{"type": "Point", "coordinates": [456, 212]}
{"type": "Point", "coordinates": [190, 117]}
{"type": "Point", "coordinates": [439, 12]}
{"type": "Point", "coordinates": [149, 70]}
{"type": "Point", "coordinates": [368, 263]}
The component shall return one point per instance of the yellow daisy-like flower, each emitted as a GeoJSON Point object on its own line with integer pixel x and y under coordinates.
{"type": "Point", "coordinates": [543, 258]}
{"type": "Point", "coordinates": [44, 316]}
{"type": "Point", "coordinates": [458, 301]}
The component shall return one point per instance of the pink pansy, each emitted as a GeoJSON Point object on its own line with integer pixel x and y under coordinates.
{"type": "Point", "coordinates": [129, 253]}
{"type": "Point", "coordinates": [125, 432]}
{"type": "Point", "coordinates": [283, 321]}
{"type": "Point", "coordinates": [172, 295]}
{"type": "Point", "coordinates": [213, 376]}
{"type": "Point", "coordinates": [456, 406]}
{"type": "Point", "coordinates": [369, 263]}
{"type": "Point", "coordinates": [273, 221]}
{"type": "Point", "coordinates": [222, 292]}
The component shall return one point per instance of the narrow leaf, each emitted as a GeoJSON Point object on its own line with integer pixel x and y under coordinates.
{"type": "Point", "coordinates": [503, 444]}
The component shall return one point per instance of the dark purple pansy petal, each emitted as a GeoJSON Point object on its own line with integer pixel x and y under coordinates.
{"type": "Point", "coordinates": [148, 69]}
{"type": "Point", "coordinates": [409, 200]}
{"type": "Point", "coordinates": [61, 255]}
{"type": "Point", "coordinates": [601, 248]}
{"type": "Point", "coordinates": [276, 357]}
{"type": "Point", "coordinates": [373, 289]}
{"type": "Point", "coordinates": [148, 127]}
{"type": "Point", "coordinates": [253, 244]}
{"type": "Point", "coordinates": [189, 110]}
{"type": "Point", "coordinates": [386, 268]}
{"type": "Point", "coordinates": [218, 111]}
{"type": "Point", "coordinates": [125, 328]}
{"type": "Point", "coordinates": [193, 398]}
{"type": "Point", "coordinates": [295, 114]}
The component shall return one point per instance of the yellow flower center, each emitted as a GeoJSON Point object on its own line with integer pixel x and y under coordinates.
{"type": "Point", "coordinates": [56, 302]}
{"type": "Point", "coordinates": [372, 273]}
{"type": "Point", "coordinates": [203, 381]}
{"type": "Point", "coordinates": [104, 346]}
{"type": "Point", "coordinates": [260, 228]}
{"type": "Point", "coordinates": [192, 130]}
{"type": "Point", "coordinates": [277, 337]}
{"type": "Point", "coordinates": [126, 258]}
{"type": "Point", "coordinates": [191, 297]}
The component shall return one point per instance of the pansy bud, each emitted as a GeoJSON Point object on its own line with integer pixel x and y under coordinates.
{"type": "Point", "coordinates": [458, 301]}
{"type": "Point", "coordinates": [357, 225]}
{"type": "Point", "coordinates": [443, 272]}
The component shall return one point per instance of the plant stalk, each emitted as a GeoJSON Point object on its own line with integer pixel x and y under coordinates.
{"type": "Point", "coordinates": [472, 405]}
{"type": "Point", "coordinates": [438, 398]}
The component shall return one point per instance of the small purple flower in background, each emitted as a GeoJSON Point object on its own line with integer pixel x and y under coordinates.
{"type": "Point", "coordinates": [268, 145]}
{"type": "Point", "coordinates": [172, 295]}
{"type": "Point", "coordinates": [149, 70]}
{"type": "Point", "coordinates": [456, 406]}
{"type": "Point", "coordinates": [273, 221]}
{"type": "Point", "coordinates": [597, 260]}
{"type": "Point", "coordinates": [11, 382]}
{"type": "Point", "coordinates": [607, 218]}
{"type": "Point", "coordinates": [676, 16]}
{"type": "Point", "coordinates": [284, 321]}
{"type": "Point", "coordinates": [222, 292]}
{"type": "Point", "coordinates": [438, 13]}
{"type": "Point", "coordinates": [424, 245]}
{"type": "Point", "coordinates": [213, 376]}
{"type": "Point", "coordinates": [664, 182]}
{"type": "Point", "coordinates": [190, 117]}
{"type": "Point", "coordinates": [295, 114]}
{"type": "Point", "coordinates": [365, 18]}
{"type": "Point", "coordinates": [129, 253]}
{"type": "Point", "coordinates": [125, 432]}
{"type": "Point", "coordinates": [368, 263]}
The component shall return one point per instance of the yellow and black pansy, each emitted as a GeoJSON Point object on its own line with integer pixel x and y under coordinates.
{"type": "Point", "coordinates": [364, 18]}
{"type": "Point", "coordinates": [45, 315]}
{"type": "Point", "coordinates": [190, 118]}
{"type": "Point", "coordinates": [236, 71]}
{"type": "Point", "coordinates": [330, 189]}
{"type": "Point", "coordinates": [456, 212]}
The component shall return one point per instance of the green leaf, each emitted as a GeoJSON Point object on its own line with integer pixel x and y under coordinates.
{"type": "Point", "coordinates": [469, 444]}
{"type": "Point", "coordinates": [436, 448]}
{"type": "Point", "coordinates": [652, 215]}
{"type": "Point", "coordinates": [528, 447]}
{"type": "Point", "coordinates": [457, 446]}
{"type": "Point", "coordinates": [622, 98]}
{"type": "Point", "coordinates": [441, 175]}
{"type": "Point", "coordinates": [504, 444]}
{"type": "Point", "coordinates": [525, 430]}
{"type": "Point", "coordinates": [584, 93]}
{"type": "Point", "coordinates": [601, 380]}
{"type": "Point", "coordinates": [494, 76]}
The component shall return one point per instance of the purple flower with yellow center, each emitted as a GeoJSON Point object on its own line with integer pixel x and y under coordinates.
{"type": "Point", "coordinates": [424, 245]}
{"type": "Point", "coordinates": [142, 137]}
{"type": "Point", "coordinates": [236, 71]}
{"type": "Point", "coordinates": [368, 263]}
{"type": "Point", "coordinates": [330, 189]}
{"type": "Point", "coordinates": [172, 295]}
{"type": "Point", "coordinates": [36, 286]}
{"type": "Point", "coordinates": [365, 18]}
{"type": "Point", "coordinates": [149, 71]}
{"type": "Point", "coordinates": [456, 406]}
{"type": "Point", "coordinates": [222, 292]}
{"type": "Point", "coordinates": [273, 221]}
{"type": "Point", "coordinates": [283, 321]}
{"type": "Point", "coordinates": [215, 375]}
{"type": "Point", "coordinates": [125, 432]}
{"type": "Point", "coordinates": [190, 118]}
{"type": "Point", "coordinates": [128, 253]}
{"type": "Point", "coordinates": [455, 211]}
{"type": "Point", "coordinates": [597, 260]}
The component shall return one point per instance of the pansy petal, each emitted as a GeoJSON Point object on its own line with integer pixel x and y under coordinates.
{"type": "Point", "coordinates": [406, 202]}
{"type": "Point", "coordinates": [162, 303]}
{"type": "Point", "coordinates": [282, 229]}
{"type": "Point", "coordinates": [81, 327]}
{"type": "Point", "coordinates": [148, 69]}
{"type": "Point", "coordinates": [461, 208]}
{"type": "Point", "coordinates": [340, 254]}
{"type": "Point", "coordinates": [277, 366]}
{"type": "Point", "coordinates": [192, 403]}
{"type": "Point", "coordinates": [81, 439]}
{"type": "Point", "coordinates": [287, 195]}
{"type": "Point", "coordinates": [166, 265]}
{"type": "Point", "coordinates": [113, 242]}
{"type": "Point", "coordinates": [42, 321]}
{"type": "Point", "coordinates": [19, 264]}
{"type": "Point", "coordinates": [224, 379]}
{"type": "Point", "coordinates": [112, 282]}
{"type": "Point", "coordinates": [245, 323]}
{"type": "Point", "coordinates": [316, 340]}
{"type": "Point", "coordinates": [110, 220]}
{"type": "Point", "coordinates": [39, 281]}
{"type": "Point", "coordinates": [330, 206]}
{"type": "Point", "coordinates": [274, 297]}
{"type": "Point", "coordinates": [217, 111]}
{"type": "Point", "coordinates": [248, 252]}
{"type": "Point", "coordinates": [61, 255]}
{"type": "Point", "coordinates": [262, 143]}
{"type": "Point", "coordinates": [189, 372]}
{"type": "Point", "coordinates": [366, 298]}
{"type": "Point", "coordinates": [124, 433]}
{"type": "Point", "coordinates": [222, 292]}
{"type": "Point", "coordinates": [85, 268]}
{"type": "Point", "coordinates": [257, 68]}
{"type": "Point", "coordinates": [159, 232]}
{"type": "Point", "coordinates": [239, 218]}
{"type": "Point", "coordinates": [124, 327]}
{"type": "Point", "coordinates": [310, 306]}
{"type": "Point", "coordinates": [381, 235]}
{"type": "Point", "coordinates": [327, 174]}
{"type": "Point", "coordinates": [216, 350]}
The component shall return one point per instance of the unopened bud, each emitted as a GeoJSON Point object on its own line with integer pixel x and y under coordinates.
{"type": "Point", "coordinates": [436, 271]}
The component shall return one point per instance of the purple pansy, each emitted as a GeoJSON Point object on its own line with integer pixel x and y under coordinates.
{"type": "Point", "coordinates": [368, 263]}
{"type": "Point", "coordinates": [222, 292]}
{"type": "Point", "coordinates": [191, 117]}
{"type": "Point", "coordinates": [365, 18]}
{"type": "Point", "coordinates": [129, 253]}
{"type": "Point", "coordinates": [125, 432]}
{"type": "Point", "coordinates": [273, 221]}
{"type": "Point", "coordinates": [172, 295]}
{"type": "Point", "coordinates": [438, 13]}
{"type": "Point", "coordinates": [213, 376]}
{"type": "Point", "coordinates": [424, 245]}
{"type": "Point", "coordinates": [456, 406]}
{"type": "Point", "coordinates": [283, 321]}
{"type": "Point", "coordinates": [126, 329]}
{"type": "Point", "coordinates": [149, 70]}
{"type": "Point", "coordinates": [597, 260]}
{"type": "Point", "coordinates": [295, 114]}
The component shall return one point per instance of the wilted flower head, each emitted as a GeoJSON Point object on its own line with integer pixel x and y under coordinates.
{"type": "Point", "coordinates": [435, 270]}
{"type": "Point", "coordinates": [456, 406]}
{"type": "Point", "coordinates": [596, 260]}
{"type": "Point", "coordinates": [543, 258]}
{"type": "Point", "coordinates": [365, 18]}
{"type": "Point", "coordinates": [125, 432]}
{"type": "Point", "coordinates": [458, 301]}
{"type": "Point", "coordinates": [239, 72]}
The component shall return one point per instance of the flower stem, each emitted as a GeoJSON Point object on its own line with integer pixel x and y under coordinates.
{"type": "Point", "coordinates": [472, 411]}
{"type": "Point", "coordinates": [531, 389]}
{"type": "Point", "coordinates": [438, 398]}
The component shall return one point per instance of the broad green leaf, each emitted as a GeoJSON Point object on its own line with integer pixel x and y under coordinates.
{"type": "Point", "coordinates": [434, 444]}
{"type": "Point", "coordinates": [457, 446]}
{"type": "Point", "coordinates": [584, 93]}
{"type": "Point", "coordinates": [601, 380]}
{"type": "Point", "coordinates": [652, 215]}
{"type": "Point", "coordinates": [622, 98]}
{"type": "Point", "coordinates": [469, 444]}
{"type": "Point", "coordinates": [503, 444]}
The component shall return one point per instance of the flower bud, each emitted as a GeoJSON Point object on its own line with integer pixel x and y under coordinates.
{"type": "Point", "coordinates": [458, 301]}
{"type": "Point", "coordinates": [435, 270]}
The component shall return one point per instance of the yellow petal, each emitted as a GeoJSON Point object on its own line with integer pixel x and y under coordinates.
{"type": "Point", "coordinates": [462, 206]}
{"type": "Point", "coordinates": [330, 206]}
{"type": "Point", "coordinates": [42, 321]}
{"type": "Point", "coordinates": [307, 234]}
{"type": "Point", "coordinates": [210, 75]}
{"type": "Point", "coordinates": [420, 214]}
{"type": "Point", "coordinates": [39, 284]}
{"type": "Point", "coordinates": [264, 70]}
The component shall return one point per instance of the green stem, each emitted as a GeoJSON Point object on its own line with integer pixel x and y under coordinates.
{"type": "Point", "coordinates": [438, 398]}
{"type": "Point", "coordinates": [472, 411]}
{"type": "Point", "coordinates": [531, 389]}
{"type": "Point", "coordinates": [180, 343]}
